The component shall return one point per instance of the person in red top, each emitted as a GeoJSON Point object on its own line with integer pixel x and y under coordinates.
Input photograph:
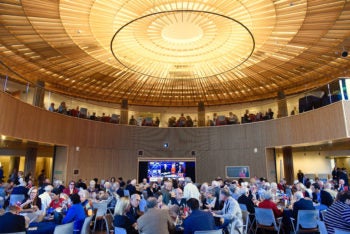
{"type": "Point", "coordinates": [71, 189]}
{"type": "Point", "coordinates": [267, 203]}
{"type": "Point", "coordinates": [56, 201]}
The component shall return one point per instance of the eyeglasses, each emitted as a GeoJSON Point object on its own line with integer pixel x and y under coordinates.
{"type": "Point", "coordinates": [72, 184]}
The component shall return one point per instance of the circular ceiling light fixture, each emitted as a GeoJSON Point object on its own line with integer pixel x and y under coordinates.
{"type": "Point", "coordinates": [182, 44]}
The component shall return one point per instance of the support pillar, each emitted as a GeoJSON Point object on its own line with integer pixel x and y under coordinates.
{"type": "Point", "coordinates": [30, 162]}
{"type": "Point", "coordinates": [201, 114]}
{"type": "Point", "coordinates": [124, 112]}
{"type": "Point", "coordinates": [288, 164]}
{"type": "Point", "coordinates": [39, 94]}
{"type": "Point", "coordinates": [282, 105]}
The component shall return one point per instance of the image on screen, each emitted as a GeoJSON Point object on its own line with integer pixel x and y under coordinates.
{"type": "Point", "coordinates": [175, 170]}
{"type": "Point", "coordinates": [154, 170]}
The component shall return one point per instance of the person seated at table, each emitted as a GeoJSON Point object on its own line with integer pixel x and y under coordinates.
{"type": "Point", "coordinates": [56, 201]}
{"type": "Point", "coordinates": [210, 202]}
{"type": "Point", "coordinates": [161, 205]}
{"type": "Point", "coordinates": [321, 196]}
{"type": "Point", "coordinates": [92, 188]}
{"type": "Point", "coordinates": [134, 213]}
{"type": "Point", "coordinates": [131, 187]}
{"type": "Point", "coordinates": [71, 189]}
{"type": "Point", "coordinates": [178, 199]}
{"type": "Point", "coordinates": [267, 203]}
{"type": "Point", "coordinates": [118, 189]}
{"type": "Point", "coordinates": [20, 189]}
{"type": "Point", "coordinates": [338, 214]}
{"type": "Point", "coordinates": [155, 220]}
{"type": "Point", "coordinates": [58, 184]}
{"type": "Point", "coordinates": [197, 220]}
{"type": "Point", "coordinates": [12, 222]}
{"type": "Point", "coordinates": [46, 197]}
{"type": "Point", "coordinates": [121, 219]}
{"type": "Point", "coordinates": [33, 202]}
{"type": "Point", "coordinates": [244, 199]}
{"type": "Point", "coordinates": [230, 211]}
{"type": "Point", "coordinates": [75, 213]}
{"type": "Point", "coordinates": [301, 204]}
{"type": "Point", "coordinates": [152, 189]}
{"type": "Point", "coordinates": [86, 202]}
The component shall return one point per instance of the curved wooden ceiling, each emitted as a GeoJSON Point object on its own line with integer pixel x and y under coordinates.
{"type": "Point", "coordinates": [175, 53]}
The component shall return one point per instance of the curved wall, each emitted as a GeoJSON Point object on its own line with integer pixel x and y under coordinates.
{"type": "Point", "coordinates": [111, 150]}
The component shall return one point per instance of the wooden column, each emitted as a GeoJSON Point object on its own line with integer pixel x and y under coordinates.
{"type": "Point", "coordinates": [288, 164]}
{"type": "Point", "coordinates": [39, 94]}
{"type": "Point", "coordinates": [30, 162]}
{"type": "Point", "coordinates": [124, 112]}
{"type": "Point", "coordinates": [201, 114]}
{"type": "Point", "coordinates": [282, 105]}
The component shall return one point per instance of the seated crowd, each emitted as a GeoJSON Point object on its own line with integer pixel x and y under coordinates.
{"type": "Point", "coordinates": [82, 113]}
{"type": "Point", "coordinates": [182, 121]}
{"type": "Point", "coordinates": [170, 205]}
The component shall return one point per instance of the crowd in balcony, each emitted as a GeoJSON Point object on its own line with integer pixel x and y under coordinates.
{"type": "Point", "coordinates": [182, 121]}
{"type": "Point", "coordinates": [83, 113]}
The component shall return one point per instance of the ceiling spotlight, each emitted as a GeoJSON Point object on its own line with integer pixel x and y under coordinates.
{"type": "Point", "coordinates": [344, 53]}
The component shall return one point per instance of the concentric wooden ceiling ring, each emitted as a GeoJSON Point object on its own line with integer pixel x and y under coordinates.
{"type": "Point", "coordinates": [182, 44]}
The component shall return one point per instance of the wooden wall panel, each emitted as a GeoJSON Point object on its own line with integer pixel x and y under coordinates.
{"type": "Point", "coordinates": [111, 150]}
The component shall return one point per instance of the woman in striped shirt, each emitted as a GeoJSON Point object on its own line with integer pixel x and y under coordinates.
{"type": "Point", "coordinates": [338, 214]}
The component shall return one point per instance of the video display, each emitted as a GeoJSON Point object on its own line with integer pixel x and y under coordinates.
{"type": "Point", "coordinates": [154, 170]}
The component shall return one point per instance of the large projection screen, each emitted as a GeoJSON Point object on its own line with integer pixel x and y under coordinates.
{"type": "Point", "coordinates": [162, 168]}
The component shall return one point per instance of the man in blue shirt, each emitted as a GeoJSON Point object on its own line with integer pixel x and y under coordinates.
{"type": "Point", "coordinates": [198, 220]}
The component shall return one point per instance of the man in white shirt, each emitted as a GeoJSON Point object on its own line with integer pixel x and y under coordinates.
{"type": "Point", "coordinates": [190, 190]}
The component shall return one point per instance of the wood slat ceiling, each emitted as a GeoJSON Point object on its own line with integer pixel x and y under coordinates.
{"type": "Point", "coordinates": [67, 44]}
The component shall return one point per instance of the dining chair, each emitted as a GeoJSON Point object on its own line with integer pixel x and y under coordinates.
{"type": "Point", "coordinates": [18, 232]}
{"type": "Point", "coordinates": [323, 213]}
{"type": "Point", "coordinates": [118, 230]}
{"type": "Point", "coordinates": [265, 219]}
{"type": "Point", "coordinates": [243, 206]}
{"type": "Point", "coordinates": [86, 226]}
{"type": "Point", "coordinates": [109, 222]}
{"type": "Point", "coordinates": [15, 198]}
{"type": "Point", "coordinates": [306, 222]}
{"type": "Point", "coordinates": [67, 228]}
{"type": "Point", "coordinates": [100, 213]}
{"type": "Point", "coordinates": [246, 221]}
{"type": "Point", "coordinates": [219, 231]}
{"type": "Point", "coordinates": [322, 227]}
{"type": "Point", "coordinates": [340, 231]}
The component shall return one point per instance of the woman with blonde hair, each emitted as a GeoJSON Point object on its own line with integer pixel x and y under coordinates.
{"type": "Point", "coordinates": [120, 218]}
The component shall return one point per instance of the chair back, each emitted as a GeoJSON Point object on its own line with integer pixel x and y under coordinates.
{"type": "Point", "coordinates": [322, 227]}
{"type": "Point", "coordinates": [209, 232]}
{"type": "Point", "coordinates": [18, 232]}
{"type": "Point", "coordinates": [86, 226]}
{"type": "Point", "coordinates": [323, 214]}
{"type": "Point", "coordinates": [67, 228]}
{"type": "Point", "coordinates": [339, 231]}
{"type": "Point", "coordinates": [265, 217]}
{"type": "Point", "coordinates": [243, 206]}
{"type": "Point", "coordinates": [307, 219]}
{"type": "Point", "coordinates": [126, 193]}
{"type": "Point", "coordinates": [118, 230]}
{"type": "Point", "coordinates": [109, 223]}
{"type": "Point", "coordinates": [246, 221]}
{"type": "Point", "coordinates": [101, 208]}
{"type": "Point", "coordinates": [14, 198]}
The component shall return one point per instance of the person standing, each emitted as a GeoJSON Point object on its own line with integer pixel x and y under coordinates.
{"type": "Point", "coordinates": [300, 176]}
